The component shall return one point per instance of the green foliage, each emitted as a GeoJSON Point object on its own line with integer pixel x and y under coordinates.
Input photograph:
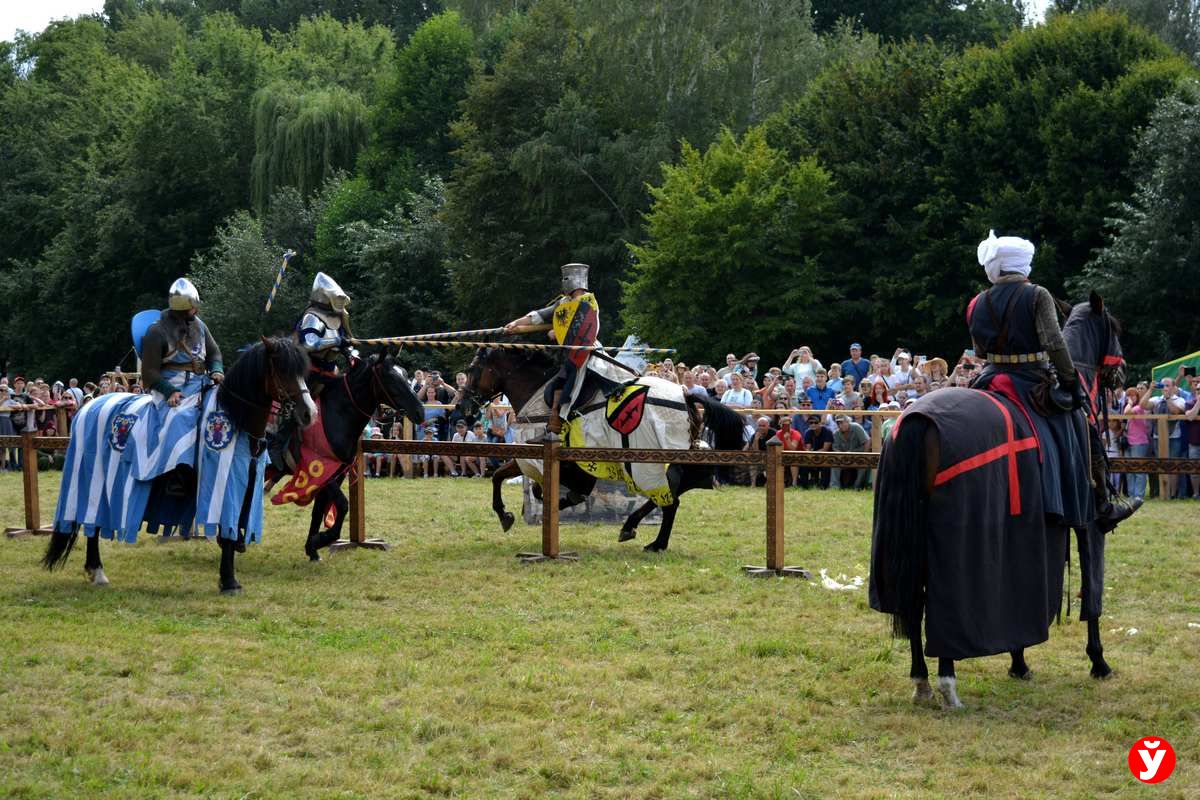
{"type": "Point", "coordinates": [1034, 138]}
{"type": "Point", "coordinates": [303, 137]}
{"type": "Point", "coordinates": [324, 52]}
{"type": "Point", "coordinates": [1149, 270]}
{"type": "Point", "coordinates": [234, 278]}
{"type": "Point", "coordinates": [737, 240]}
{"type": "Point", "coordinates": [863, 121]}
{"type": "Point", "coordinates": [945, 21]}
{"type": "Point", "coordinates": [411, 121]}
{"type": "Point", "coordinates": [349, 200]}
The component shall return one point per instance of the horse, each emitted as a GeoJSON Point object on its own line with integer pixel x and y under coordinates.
{"type": "Point", "coordinates": [975, 558]}
{"type": "Point", "coordinates": [346, 406]}
{"type": "Point", "coordinates": [520, 374]}
{"type": "Point", "coordinates": [225, 482]}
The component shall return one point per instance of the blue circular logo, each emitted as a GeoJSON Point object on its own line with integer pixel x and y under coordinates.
{"type": "Point", "coordinates": [218, 431]}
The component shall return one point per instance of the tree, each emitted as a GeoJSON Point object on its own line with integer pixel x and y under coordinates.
{"type": "Point", "coordinates": [736, 252]}
{"type": "Point", "coordinates": [1034, 138]}
{"type": "Point", "coordinates": [1149, 269]}
{"type": "Point", "coordinates": [411, 121]}
{"type": "Point", "coordinates": [862, 120]}
{"type": "Point", "coordinates": [949, 22]}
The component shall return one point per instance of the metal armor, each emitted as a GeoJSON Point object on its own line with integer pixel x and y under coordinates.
{"type": "Point", "coordinates": [183, 295]}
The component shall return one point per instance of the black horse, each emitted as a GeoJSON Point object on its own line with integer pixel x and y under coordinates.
{"type": "Point", "coordinates": [975, 558]}
{"type": "Point", "coordinates": [346, 405]}
{"type": "Point", "coordinates": [518, 374]}
{"type": "Point", "coordinates": [272, 371]}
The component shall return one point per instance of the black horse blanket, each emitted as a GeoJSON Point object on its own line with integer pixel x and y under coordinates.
{"type": "Point", "coordinates": [995, 569]}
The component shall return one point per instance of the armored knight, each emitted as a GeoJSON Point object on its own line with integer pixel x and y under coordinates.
{"type": "Point", "coordinates": [178, 350]}
{"type": "Point", "coordinates": [574, 317]}
{"type": "Point", "coordinates": [323, 330]}
{"type": "Point", "coordinates": [1014, 327]}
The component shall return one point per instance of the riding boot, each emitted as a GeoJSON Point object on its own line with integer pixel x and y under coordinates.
{"type": "Point", "coordinates": [555, 423]}
{"type": "Point", "coordinates": [279, 448]}
{"type": "Point", "coordinates": [1111, 508]}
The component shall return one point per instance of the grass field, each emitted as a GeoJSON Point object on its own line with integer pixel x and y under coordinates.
{"type": "Point", "coordinates": [445, 668]}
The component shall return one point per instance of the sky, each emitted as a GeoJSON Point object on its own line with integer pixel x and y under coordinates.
{"type": "Point", "coordinates": [34, 15]}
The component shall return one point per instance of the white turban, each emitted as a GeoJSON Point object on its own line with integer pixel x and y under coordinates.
{"type": "Point", "coordinates": [1005, 254]}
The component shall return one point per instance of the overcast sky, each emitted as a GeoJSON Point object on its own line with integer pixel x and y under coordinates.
{"type": "Point", "coordinates": [34, 15]}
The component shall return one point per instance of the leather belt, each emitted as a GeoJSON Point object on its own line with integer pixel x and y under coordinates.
{"type": "Point", "coordinates": [1017, 358]}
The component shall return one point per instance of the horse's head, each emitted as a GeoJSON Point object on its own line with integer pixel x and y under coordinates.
{"type": "Point", "coordinates": [391, 385]}
{"type": "Point", "coordinates": [1092, 335]}
{"type": "Point", "coordinates": [286, 368]}
{"type": "Point", "coordinates": [484, 381]}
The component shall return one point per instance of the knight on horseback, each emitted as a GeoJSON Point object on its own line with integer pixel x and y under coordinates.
{"type": "Point", "coordinates": [178, 350]}
{"type": "Point", "coordinates": [323, 332]}
{"type": "Point", "coordinates": [575, 319]}
{"type": "Point", "coordinates": [1014, 326]}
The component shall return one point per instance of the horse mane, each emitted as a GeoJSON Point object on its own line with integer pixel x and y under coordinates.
{"type": "Point", "coordinates": [243, 389]}
{"type": "Point", "coordinates": [726, 424]}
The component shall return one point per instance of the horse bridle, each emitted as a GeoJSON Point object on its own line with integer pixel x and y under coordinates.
{"type": "Point", "coordinates": [474, 373]}
{"type": "Point", "coordinates": [376, 381]}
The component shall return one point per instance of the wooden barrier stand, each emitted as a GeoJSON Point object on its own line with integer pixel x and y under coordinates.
{"type": "Point", "coordinates": [774, 460]}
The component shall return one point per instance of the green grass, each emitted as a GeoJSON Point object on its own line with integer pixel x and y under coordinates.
{"type": "Point", "coordinates": [445, 668]}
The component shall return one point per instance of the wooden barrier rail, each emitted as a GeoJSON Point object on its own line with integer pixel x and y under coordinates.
{"type": "Point", "coordinates": [773, 461]}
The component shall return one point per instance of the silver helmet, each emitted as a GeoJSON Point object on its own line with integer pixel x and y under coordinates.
{"type": "Point", "coordinates": [326, 290]}
{"type": "Point", "coordinates": [574, 276]}
{"type": "Point", "coordinates": [183, 295]}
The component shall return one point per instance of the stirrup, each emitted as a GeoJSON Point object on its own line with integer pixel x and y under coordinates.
{"type": "Point", "coordinates": [1113, 512]}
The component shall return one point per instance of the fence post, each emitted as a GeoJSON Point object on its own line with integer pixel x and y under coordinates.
{"type": "Point", "coordinates": [1164, 451]}
{"type": "Point", "coordinates": [61, 418]}
{"type": "Point", "coordinates": [406, 461]}
{"type": "Point", "coordinates": [358, 507]}
{"type": "Point", "coordinates": [550, 472]}
{"type": "Point", "coordinates": [775, 518]}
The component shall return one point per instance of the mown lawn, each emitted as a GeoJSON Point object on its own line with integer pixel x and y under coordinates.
{"type": "Point", "coordinates": [446, 668]}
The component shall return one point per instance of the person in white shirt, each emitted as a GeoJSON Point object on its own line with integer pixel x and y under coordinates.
{"type": "Point", "coordinates": [737, 396]}
{"type": "Point", "coordinates": [801, 364]}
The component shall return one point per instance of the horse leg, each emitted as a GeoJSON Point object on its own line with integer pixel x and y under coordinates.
{"type": "Point", "coordinates": [508, 469]}
{"type": "Point", "coordinates": [1095, 651]}
{"type": "Point", "coordinates": [629, 529]}
{"type": "Point", "coordinates": [664, 530]}
{"type": "Point", "coordinates": [229, 583]}
{"type": "Point", "coordinates": [948, 683]}
{"type": "Point", "coordinates": [1019, 669]}
{"type": "Point", "coordinates": [919, 672]}
{"type": "Point", "coordinates": [340, 506]}
{"type": "Point", "coordinates": [92, 567]}
{"type": "Point", "coordinates": [578, 484]}
{"type": "Point", "coordinates": [314, 527]}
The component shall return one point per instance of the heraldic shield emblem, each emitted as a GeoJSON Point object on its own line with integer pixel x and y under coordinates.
{"type": "Point", "coordinates": [577, 323]}
{"type": "Point", "coordinates": [218, 433]}
{"type": "Point", "coordinates": [626, 408]}
{"type": "Point", "coordinates": [119, 430]}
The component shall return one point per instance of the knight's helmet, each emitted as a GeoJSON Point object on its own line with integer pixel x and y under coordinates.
{"type": "Point", "coordinates": [183, 295]}
{"type": "Point", "coordinates": [574, 276]}
{"type": "Point", "coordinates": [326, 290]}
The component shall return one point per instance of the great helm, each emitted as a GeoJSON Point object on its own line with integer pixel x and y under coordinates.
{"type": "Point", "coordinates": [183, 295]}
{"type": "Point", "coordinates": [326, 290]}
{"type": "Point", "coordinates": [574, 276]}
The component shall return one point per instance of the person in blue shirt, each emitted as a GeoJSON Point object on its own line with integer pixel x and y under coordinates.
{"type": "Point", "coordinates": [856, 366]}
{"type": "Point", "coordinates": [820, 394]}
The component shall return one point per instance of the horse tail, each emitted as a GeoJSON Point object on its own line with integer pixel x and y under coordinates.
{"type": "Point", "coordinates": [726, 424]}
{"type": "Point", "coordinates": [59, 548]}
{"type": "Point", "coordinates": [899, 557]}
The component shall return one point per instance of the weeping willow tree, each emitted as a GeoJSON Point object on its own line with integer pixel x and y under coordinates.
{"type": "Point", "coordinates": [301, 138]}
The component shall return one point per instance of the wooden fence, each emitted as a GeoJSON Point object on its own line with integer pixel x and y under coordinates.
{"type": "Point", "coordinates": [773, 461]}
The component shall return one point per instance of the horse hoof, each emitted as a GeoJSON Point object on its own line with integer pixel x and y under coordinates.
{"type": "Point", "coordinates": [314, 557]}
{"type": "Point", "coordinates": [627, 534]}
{"type": "Point", "coordinates": [1027, 675]}
{"type": "Point", "coordinates": [1102, 672]}
{"type": "Point", "coordinates": [654, 547]}
{"type": "Point", "coordinates": [96, 577]}
{"type": "Point", "coordinates": [506, 521]}
{"type": "Point", "coordinates": [233, 588]}
{"type": "Point", "coordinates": [948, 688]}
{"type": "Point", "coordinates": [922, 693]}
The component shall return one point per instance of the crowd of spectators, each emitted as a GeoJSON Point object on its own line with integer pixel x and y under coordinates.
{"type": "Point", "coordinates": [803, 403]}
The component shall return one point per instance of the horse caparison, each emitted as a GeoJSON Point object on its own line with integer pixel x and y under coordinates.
{"type": "Point", "coordinates": [905, 578]}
